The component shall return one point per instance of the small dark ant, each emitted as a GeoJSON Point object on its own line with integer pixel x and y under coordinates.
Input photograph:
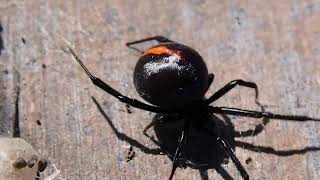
{"type": "Point", "coordinates": [131, 154]}
{"type": "Point", "coordinates": [174, 78]}
{"type": "Point", "coordinates": [248, 160]}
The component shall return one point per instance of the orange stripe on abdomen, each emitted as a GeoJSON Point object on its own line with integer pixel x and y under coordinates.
{"type": "Point", "coordinates": [161, 50]}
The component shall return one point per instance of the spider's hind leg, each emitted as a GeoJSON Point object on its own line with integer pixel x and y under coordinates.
{"type": "Point", "coordinates": [159, 39]}
{"type": "Point", "coordinates": [182, 141]}
{"type": "Point", "coordinates": [225, 146]}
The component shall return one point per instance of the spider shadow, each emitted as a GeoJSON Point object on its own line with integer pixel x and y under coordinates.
{"type": "Point", "coordinates": [201, 152]}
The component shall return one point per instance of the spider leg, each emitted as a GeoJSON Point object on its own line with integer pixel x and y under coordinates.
{"type": "Point", "coordinates": [257, 114]}
{"type": "Point", "coordinates": [132, 102]}
{"type": "Point", "coordinates": [183, 140]}
{"type": "Point", "coordinates": [251, 132]}
{"type": "Point", "coordinates": [210, 79]}
{"type": "Point", "coordinates": [230, 86]}
{"type": "Point", "coordinates": [160, 39]}
{"type": "Point", "coordinates": [225, 146]}
{"type": "Point", "coordinates": [153, 122]}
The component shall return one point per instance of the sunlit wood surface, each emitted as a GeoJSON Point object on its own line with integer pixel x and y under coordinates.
{"type": "Point", "coordinates": [275, 44]}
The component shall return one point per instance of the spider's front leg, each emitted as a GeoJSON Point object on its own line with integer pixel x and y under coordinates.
{"type": "Point", "coordinates": [104, 86]}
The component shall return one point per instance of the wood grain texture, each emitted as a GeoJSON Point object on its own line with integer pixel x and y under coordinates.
{"type": "Point", "coordinates": [275, 44]}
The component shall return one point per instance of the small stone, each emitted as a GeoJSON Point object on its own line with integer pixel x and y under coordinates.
{"type": "Point", "coordinates": [15, 153]}
{"type": "Point", "coordinates": [19, 163]}
{"type": "Point", "coordinates": [42, 165]}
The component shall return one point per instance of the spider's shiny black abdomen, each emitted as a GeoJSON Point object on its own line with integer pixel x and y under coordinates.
{"type": "Point", "coordinates": [171, 75]}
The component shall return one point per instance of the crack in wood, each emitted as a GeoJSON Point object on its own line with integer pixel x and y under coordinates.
{"type": "Point", "coordinates": [1, 40]}
{"type": "Point", "coordinates": [16, 127]}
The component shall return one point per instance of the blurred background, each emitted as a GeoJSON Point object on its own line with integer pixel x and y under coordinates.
{"type": "Point", "coordinates": [275, 44]}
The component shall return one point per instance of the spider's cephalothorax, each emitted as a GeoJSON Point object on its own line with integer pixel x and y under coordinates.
{"type": "Point", "coordinates": [171, 75]}
{"type": "Point", "coordinates": [174, 78]}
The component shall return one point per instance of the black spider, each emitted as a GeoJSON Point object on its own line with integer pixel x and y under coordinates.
{"type": "Point", "coordinates": [174, 78]}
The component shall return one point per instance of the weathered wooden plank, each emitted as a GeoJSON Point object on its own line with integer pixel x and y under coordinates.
{"type": "Point", "coordinates": [275, 44]}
